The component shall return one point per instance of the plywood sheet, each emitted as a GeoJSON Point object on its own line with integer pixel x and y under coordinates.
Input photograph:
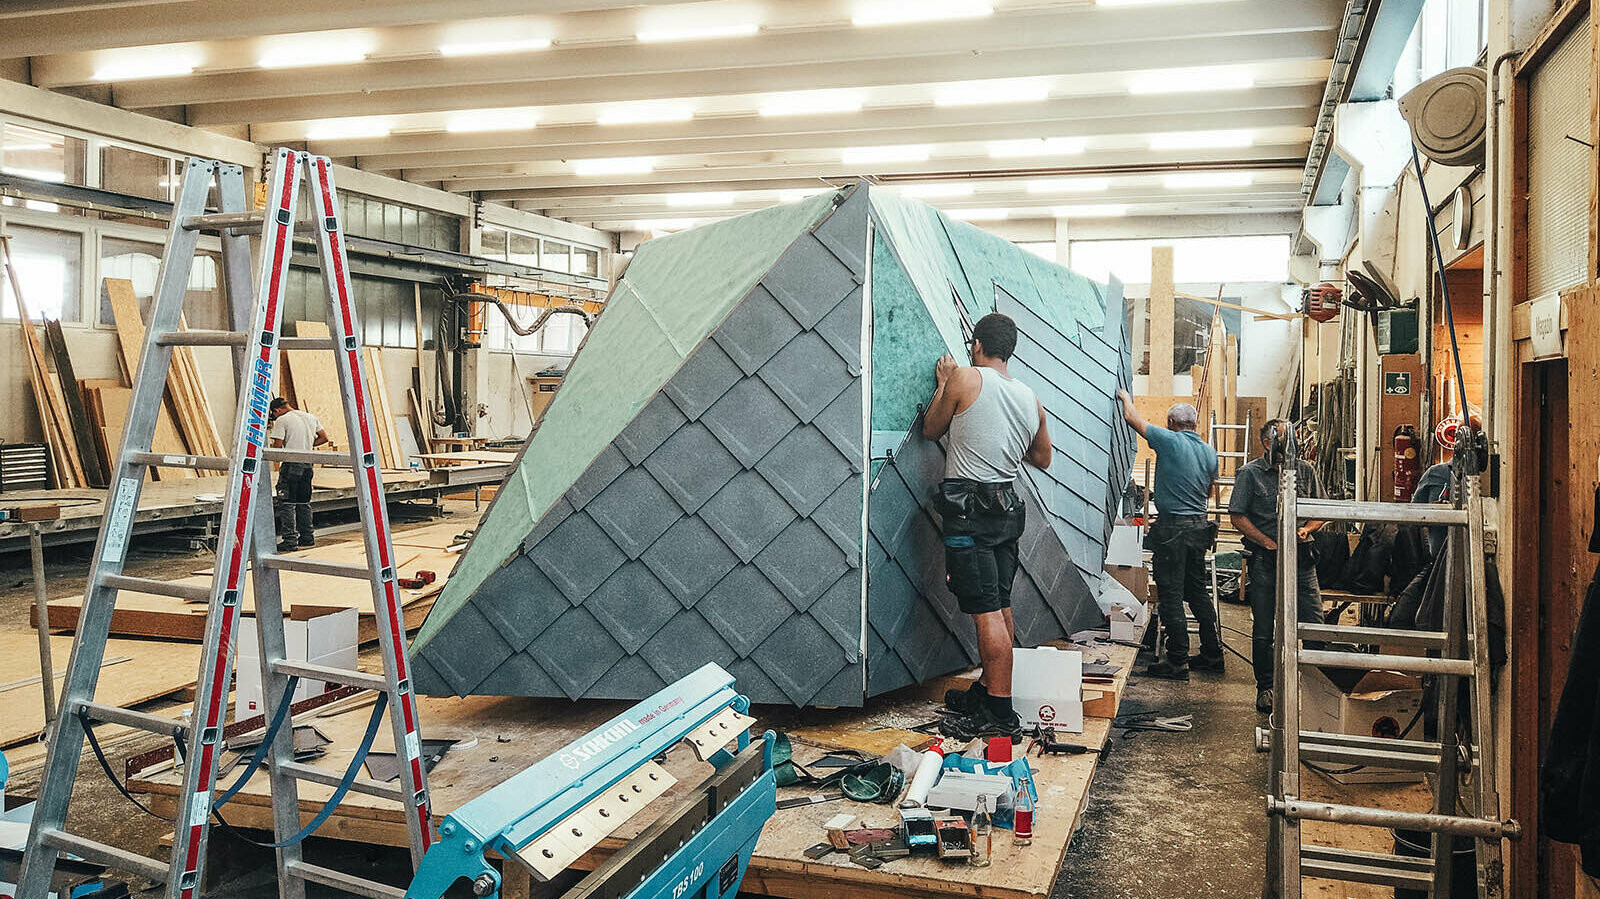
{"type": "Point", "coordinates": [313, 383]}
{"type": "Point", "coordinates": [130, 343]}
{"type": "Point", "coordinates": [154, 669]}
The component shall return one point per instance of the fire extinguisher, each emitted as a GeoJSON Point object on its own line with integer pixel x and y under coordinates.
{"type": "Point", "coordinates": [1406, 469]}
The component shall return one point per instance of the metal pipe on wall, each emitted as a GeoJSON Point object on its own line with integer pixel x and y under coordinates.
{"type": "Point", "coordinates": [1491, 249]}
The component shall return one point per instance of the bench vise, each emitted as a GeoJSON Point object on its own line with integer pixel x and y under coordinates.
{"type": "Point", "coordinates": [550, 814]}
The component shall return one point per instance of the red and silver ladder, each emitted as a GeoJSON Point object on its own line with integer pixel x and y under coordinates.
{"type": "Point", "coordinates": [245, 547]}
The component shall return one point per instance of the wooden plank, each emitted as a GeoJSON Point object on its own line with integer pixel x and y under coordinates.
{"type": "Point", "coordinates": [91, 463]}
{"type": "Point", "coordinates": [382, 413]}
{"type": "Point", "coordinates": [313, 383]}
{"type": "Point", "coordinates": [1162, 316]}
{"type": "Point", "coordinates": [130, 344]}
{"type": "Point", "coordinates": [154, 669]}
{"type": "Point", "coordinates": [46, 391]}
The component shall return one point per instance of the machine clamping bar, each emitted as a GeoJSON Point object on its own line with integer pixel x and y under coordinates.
{"type": "Point", "coordinates": [551, 813]}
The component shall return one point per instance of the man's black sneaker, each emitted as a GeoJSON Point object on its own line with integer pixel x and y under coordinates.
{"type": "Point", "coordinates": [1167, 670]}
{"type": "Point", "coordinates": [1203, 662]}
{"type": "Point", "coordinates": [1264, 701]}
{"type": "Point", "coordinates": [965, 702]}
{"type": "Point", "coordinates": [981, 723]}
{"type": "Point", "coordinates": [308, 542]}
{"type": "Point", "coordinates": [287, 546]}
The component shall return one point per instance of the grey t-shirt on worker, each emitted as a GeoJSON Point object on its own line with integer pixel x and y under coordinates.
{"type": "Point", "coordinates": [1255, 492]}
{"type": "Point", "coordinates": [989, 438]}
{"type": "Point", "coordinates": [1185, 468]}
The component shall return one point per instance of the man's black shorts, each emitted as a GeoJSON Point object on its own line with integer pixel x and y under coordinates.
{"type": "Point", "coordinates": [982, 523]}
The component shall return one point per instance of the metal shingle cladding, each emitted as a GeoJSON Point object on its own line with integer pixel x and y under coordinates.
{"type": "Point", "coordinates": [724, 522]}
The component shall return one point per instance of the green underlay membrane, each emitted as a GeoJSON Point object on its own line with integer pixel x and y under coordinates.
{"type": "Point", "coordinates": [905, 344]}
{"type": "Point", "coordinates": [674, 293]}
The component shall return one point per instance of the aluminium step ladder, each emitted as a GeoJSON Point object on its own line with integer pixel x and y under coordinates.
{"type": "Point", "coordinates": [246, 539]}
{"type": "Point", "coordinates": [1238, 457]}
{"type": "Point", "coordinates": [1463, 750]}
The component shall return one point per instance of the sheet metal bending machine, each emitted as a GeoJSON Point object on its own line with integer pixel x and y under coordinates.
{"type": "Point", "coordinates": [553, 812]}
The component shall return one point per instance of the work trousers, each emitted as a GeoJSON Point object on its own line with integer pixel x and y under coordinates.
{"type": "Point", "coordinates": [982, 523]}
{"type": "Point", "coordinates": [1262, 589]}
{"type": "Point", "coordinates": [292, 504]}
{"type": "Point", "coordinates": [1178, 550]}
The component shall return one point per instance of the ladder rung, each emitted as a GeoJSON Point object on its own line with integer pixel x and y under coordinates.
{"type": "Point", "coordinates": [110, 856]}
{"type": "Point", "coordinates": [1376, 752]}
{"type": "Point", "coordinates": [239, 338]}
{"type": "Point", "coordinates": [1482, 828]}
{"type": "Point", "coordinates": [316, 566]}
{"type": "Point", "coordinates": [329, 779]}
{"type": "Point", "coordinates": [1399, 513]}
{"type": "Point", "coordinates": [340, 881]}
{"type": "Point", "coordinates": [172, 460]}
{"type": "Point", "coordinates": [1368, 661]}
{"type": "Point", "coordinates": [336, 675]}
{"type": "Point", "coordinates": [1374, 636]}
{"type": "Point", "coordinates": [1355, 866]}
{"type": "Point", "coordinates": [225, 221]}
{"type": "Point", "coordinates": [185, 592]}
{"type": "Point", "coordinates": [313, 457]}
{"type": "Point", "coordinates": [111, 714]}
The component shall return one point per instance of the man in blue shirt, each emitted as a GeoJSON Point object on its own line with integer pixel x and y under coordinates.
{"type": "Point", "coordinates": [1186, 467]}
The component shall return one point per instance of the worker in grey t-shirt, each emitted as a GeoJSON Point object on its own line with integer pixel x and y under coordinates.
{"type": "Point", "coordinates": [995, 423]}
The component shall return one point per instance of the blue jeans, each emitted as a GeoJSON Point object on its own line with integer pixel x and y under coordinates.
{"type": "Point", "coordinates": [1262, 590]}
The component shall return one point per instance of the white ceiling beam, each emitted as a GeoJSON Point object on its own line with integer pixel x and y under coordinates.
{"type": "Point", "coordinates": [74, 28]}
{"type": "Point", "coordinates": [1087, 116]}
{"type": "Point", "coordinates": [1286, 152]}
{"type": "Point", "coordinates": [518, 88]}
{"type": "Point", "coordinates": [1001, 33]}
{"type": "Point", "coordinates": [1149, 219]}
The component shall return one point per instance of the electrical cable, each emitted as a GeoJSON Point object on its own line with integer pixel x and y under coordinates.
{"type": "Point", "coordinates": [1468, 459]}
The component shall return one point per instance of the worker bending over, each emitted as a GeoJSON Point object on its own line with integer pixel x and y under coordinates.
{"type": "Point", "coordinates": [1254, 512]}
{"type": "Point", "coordinates": [293, 429]}
{"type": "Point", "coordinates": [995, 423]}
{"type": "Point", "coordinates": [1186, 467]}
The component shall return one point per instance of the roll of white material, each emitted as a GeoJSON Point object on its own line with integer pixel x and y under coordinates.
{"type": "Point", "coordinates": [927, 775]}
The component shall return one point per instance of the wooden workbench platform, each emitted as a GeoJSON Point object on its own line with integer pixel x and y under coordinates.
{"type": "Point", "coordinates": [505, 735]}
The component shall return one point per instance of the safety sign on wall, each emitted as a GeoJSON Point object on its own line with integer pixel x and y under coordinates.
{"type": "Point", "coordinates": [1397, 383]}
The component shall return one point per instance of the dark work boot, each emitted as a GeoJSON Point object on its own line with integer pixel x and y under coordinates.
{"type": "Point", "coordinates": [1165, 669]}
{"type": "Point", "coordinates": [982, 723]}
{"type": "Point", "coordinates": [1207, 663]}
{"type": "Point", "coordinates": [967, 701]}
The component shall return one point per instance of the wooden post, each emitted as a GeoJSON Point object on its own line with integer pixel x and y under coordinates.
{"type": "Point", "coordinates": [1162, 315]}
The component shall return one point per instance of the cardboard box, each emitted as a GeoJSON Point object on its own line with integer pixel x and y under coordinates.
{"type": "Point", "coordinates": [1127, 613]}
{"type": "Point", "coordinates": [1047, 688]}
{"type": "Point", "coordinates": [1367, 704]}
{"type": "Point", "coordinates": [328, 640]}
{"type": "Point", "coordinates": [1099, 702]}
{"type": "Point", "coordinates": [1135, 579]}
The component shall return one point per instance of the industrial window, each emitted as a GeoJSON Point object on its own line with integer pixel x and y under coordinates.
{"type": "Point", "coordinates": [203, 307]}
{"type": "Point", "coordinates": [43, 155]}
{"type": "Point", "coordinates": [135, 173]}
{"type": "Point", "coordinates": [585, 261]}
{"type": "Point", "coordinates": [555, 256]}
{"type": "Point", "coordinates": [524, 249]}
{"type": "Point", "coordinates": [49, 267]}
{"type": "Point", "coordinates": [1448, 34]}
{"type": "Point", "coordinates": [381, 220]}
{"type": "Point", "coordinates": [1194, 259]}
{"type": "Point", "coordinates": [493, 244]}
{"type": "Point", "coordinates": [1558, 167]}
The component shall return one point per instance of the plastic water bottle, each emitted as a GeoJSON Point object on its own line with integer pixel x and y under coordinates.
{"type": "Point", "coordinates": [982, 835]}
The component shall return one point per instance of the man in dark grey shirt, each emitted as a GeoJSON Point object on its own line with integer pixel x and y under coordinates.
{"type": "Point", "coordinates": [1253, 509]}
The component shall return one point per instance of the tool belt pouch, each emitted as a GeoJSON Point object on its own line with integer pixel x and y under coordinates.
{"type": "Point", "coordinates": [963, 499]}
{"type": "Point", "coordinates": [294, 471]}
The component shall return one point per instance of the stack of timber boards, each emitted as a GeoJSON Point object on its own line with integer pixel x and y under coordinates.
{"type": "Point", "coordinates": [311, 382]}
{"type": "Point", "coordinates": [65, 435]}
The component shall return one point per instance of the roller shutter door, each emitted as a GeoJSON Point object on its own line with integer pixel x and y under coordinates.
{"type": "Point", "coordinates": [1558, 168]}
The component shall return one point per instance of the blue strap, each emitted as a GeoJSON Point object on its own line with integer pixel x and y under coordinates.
{"type": "Point", "coordinates": [260, 756]}
{"type": "Point", "coordinates": [344, 782]}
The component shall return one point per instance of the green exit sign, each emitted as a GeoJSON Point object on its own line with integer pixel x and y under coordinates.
{"type": "Point", "coordinates": [1397, 383]}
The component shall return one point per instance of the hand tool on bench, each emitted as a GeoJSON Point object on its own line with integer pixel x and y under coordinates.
{"type": "Point", "coordinates": [559, 808]}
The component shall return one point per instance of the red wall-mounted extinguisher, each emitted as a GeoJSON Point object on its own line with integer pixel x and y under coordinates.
{"type": "Point", "coordinates": [1406, 468]}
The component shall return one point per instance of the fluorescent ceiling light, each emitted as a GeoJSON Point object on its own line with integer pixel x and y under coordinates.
{"type": "Point", "coordinates": [795, 195]}
{"type": "Point", "coordinates": [1068, 185]}
{"type": "Point", "coordinates": [639, 113]}
{"type": "Point", "coordinates": [979, 215]}
{"type": "Point", "coordinates": [935, 191]}
{"type": "Point", "coordinates": [811, 103]}
{"type": "Point", "coordinates": [491, 120]}
{"type": "Point", "coordinates": [714, 198]}
{"type": "Point", "coordinates": [620, 165]}
{"type": "Point", "coordinates": [697, 33]}
{"type": "Point", "coordinates": [893, 12]}
{"type": "Point", "coordinates": [165, 65]}
{"type": "Point", "coordinates": [1184, 180]}
{"type": "Point", "coordinates": [296, 51]}
{"type": "Point", "coordinates": [876, 155]}
{"type": "Point", "coordinates": [663, 224]}
{"type": "Point", "coordinates": [1002, 90]}
{"type": "Point", "coordinates": [1191, 81]}
{"type": "Point", "coordinates": [1201, 140]}
{"type": "Point", "coordinates": [1148, 2]}
{"type": "Point", "coordinates": [344, 129]}
{"type": "Point", "coordinates": [1050, 146]}
{"type": "Point", "coordinates": [486, 48]}
{"type": "Point", "coordinates": [1105, 210]}
{"type": "Point", "coordinates": [32, 146]}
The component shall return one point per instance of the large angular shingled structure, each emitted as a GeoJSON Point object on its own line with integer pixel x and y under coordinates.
{"type": "Point", "coordinates": [733, 471]}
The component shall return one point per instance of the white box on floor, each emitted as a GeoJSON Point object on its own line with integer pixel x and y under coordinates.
{"type": "Point", "coordinates": [1376, 704]}
{"type": "Point", "coordinates": [1047, 688]}
{"type": "Point", "coordinates": [1126, 546]}
{"type": "Point", "coordinates": [324, 640]}
{"type": "Point", "coordinates": [1127, 613]}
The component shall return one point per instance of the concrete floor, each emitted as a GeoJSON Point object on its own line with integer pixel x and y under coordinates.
{"type": "Point", "coordinates": [1169, 814]}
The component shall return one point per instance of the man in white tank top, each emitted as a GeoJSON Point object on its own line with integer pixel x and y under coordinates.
{"type": "Point", "coordinates": [994, 423]}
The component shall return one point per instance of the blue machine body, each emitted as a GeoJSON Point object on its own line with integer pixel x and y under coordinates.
{"type": "Point", "coordinates": [513, 814]}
